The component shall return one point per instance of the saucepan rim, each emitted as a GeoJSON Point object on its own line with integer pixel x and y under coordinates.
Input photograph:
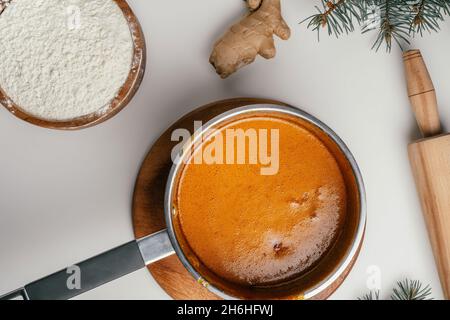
{"type": "Point", "coordinates": [357, 240]}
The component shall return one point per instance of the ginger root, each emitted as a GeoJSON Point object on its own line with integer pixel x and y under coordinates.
{"type": "Point", "coordinates": [251, 36]}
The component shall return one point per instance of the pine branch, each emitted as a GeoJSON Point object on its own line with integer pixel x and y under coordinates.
{"type": "Point", "coordinates": [393, 20]}
{"type": "Point", "coordinates": [428, 14]}
{"type": "Point", "coordinates": [372, 295]}
{"type": "Point", "coordinates": [396, 20]}
{"type": "Point", "coordinates": [337, 15]}
{"type": "Point", "coordinates": [404, 290]}
{"type": "Point", "coordinates": [411, 290]}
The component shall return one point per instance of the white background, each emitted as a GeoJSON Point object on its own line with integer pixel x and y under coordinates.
{"type": "Point", "coordinates": [66, 196]}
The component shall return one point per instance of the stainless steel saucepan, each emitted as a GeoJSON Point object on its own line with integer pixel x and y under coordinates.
{"type": "Point", "coordinates": [137, 254]}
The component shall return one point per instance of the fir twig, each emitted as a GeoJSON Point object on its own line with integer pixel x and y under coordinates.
{"type": "Point", "coordinates": [404, 290]}
{"type": "Point", "coordinates": [411, 290]}
{"type": "Point", "coordinates": [427, 14]}
{"type": "Point", "coordinates": [372, 295]}
{"type": "Point", "coordinates": [336, 15]}
{"type": "Point", "coordinates": [396, 20]}
{"type": "Point", "coordinates": [393, 21]}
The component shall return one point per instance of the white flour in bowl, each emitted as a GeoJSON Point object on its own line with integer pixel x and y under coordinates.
{"type": "Point", "coordinates": [62, 59]}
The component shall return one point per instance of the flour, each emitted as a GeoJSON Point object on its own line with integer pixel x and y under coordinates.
{"type": "Point", "coordinates": [62, 59]}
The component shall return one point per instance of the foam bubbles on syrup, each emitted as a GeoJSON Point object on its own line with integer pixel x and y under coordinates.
{"type": "Point", "coordinates": [283, 255]}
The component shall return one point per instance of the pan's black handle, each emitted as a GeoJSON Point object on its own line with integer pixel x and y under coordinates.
{"type": "Point", "coordinates": [98, 270]}
{"type": "Point", "coordinates": [19, 294]}
{"type": "Point", "coordinates": [84, 276]}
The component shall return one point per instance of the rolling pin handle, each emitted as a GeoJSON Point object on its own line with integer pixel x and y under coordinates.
{"type": "Point", "coordinates": [422, 94]}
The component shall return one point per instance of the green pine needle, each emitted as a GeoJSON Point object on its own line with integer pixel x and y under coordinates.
{"type": "Point", "coordinates": [411, 290]}
{"type": "Point", "coordinates": [372, 295]}
{"type": "Point", "coordinates": [396, 21]}
{"type": "Point", "coordinates": [404, 290]}
{"type": "Point", "coordinates": [337, 16]}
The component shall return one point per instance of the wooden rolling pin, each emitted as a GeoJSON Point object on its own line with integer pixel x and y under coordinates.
{"type": "Point", "coordinates": [430, 161]}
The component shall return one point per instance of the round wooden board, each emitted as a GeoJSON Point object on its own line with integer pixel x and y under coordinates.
{"type": "Point", "coordinates": [123, 97]}
{"type": "Point", "coordinates": [148, 204]}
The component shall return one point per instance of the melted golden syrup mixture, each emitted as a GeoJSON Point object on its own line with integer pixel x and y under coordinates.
{"type": "Point", "coordinates": [254, 229]}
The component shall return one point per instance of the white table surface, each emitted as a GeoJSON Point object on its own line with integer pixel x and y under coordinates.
{"type": "Point", "coordinates": [66, 196]}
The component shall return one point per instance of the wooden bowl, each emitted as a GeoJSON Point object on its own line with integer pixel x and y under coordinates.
{"type": "Point", "coordinates": [124, 96]}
